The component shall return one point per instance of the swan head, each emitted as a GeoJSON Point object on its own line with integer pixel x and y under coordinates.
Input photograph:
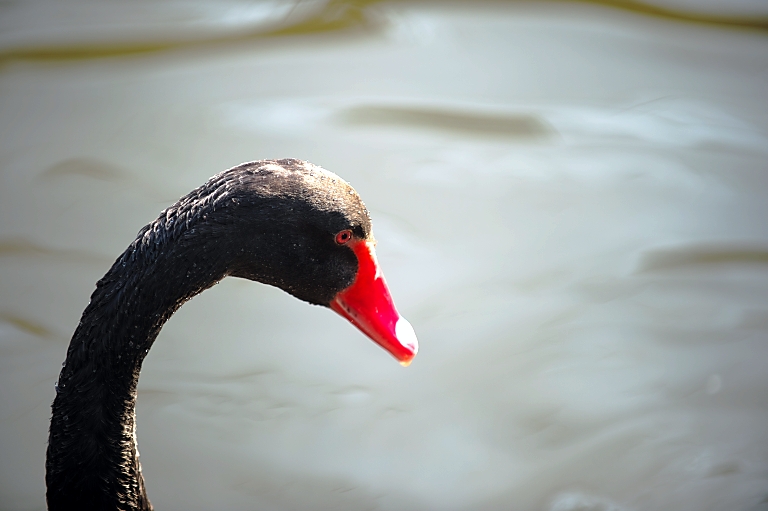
{"type": "Point", "coordinates": [305, 230]}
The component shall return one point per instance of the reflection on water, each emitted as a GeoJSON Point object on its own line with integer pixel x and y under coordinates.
{"type": "Point", "coordinates": [695, 256]}
{"type": "Point", "coordinates": [570, 208]}
{"type": "Point", "coordinates": [468, 124]}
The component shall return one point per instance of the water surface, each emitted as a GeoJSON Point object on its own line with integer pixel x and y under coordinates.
{"type": "Point", "coordinates": [570, 206]}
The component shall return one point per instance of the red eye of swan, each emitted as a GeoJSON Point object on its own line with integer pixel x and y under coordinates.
{"type": "Point", "coordinates": [343, 237]}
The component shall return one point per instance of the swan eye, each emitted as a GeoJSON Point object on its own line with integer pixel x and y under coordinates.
{"type": "Point", "coordinates": [343, 237]}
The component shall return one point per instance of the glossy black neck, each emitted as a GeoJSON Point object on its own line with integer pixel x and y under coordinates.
{"type": "Point", "coordinates": [92, 461]}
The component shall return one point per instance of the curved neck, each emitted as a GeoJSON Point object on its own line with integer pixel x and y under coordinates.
{"type": "Point", "coordinates": [92, 461]}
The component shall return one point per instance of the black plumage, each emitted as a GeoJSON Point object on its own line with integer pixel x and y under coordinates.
{"type": "Point", "coordinates": [271, 221]}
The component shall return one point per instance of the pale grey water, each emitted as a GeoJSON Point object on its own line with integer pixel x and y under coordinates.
{"type": "Point", "coordinates": [570, 203]}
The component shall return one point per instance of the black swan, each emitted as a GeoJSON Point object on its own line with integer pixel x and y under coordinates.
{"type": "Point", "coordinates": [286, 223]}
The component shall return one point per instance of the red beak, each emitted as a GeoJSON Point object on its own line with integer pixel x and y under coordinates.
{"type": "Point", "coordinates": [368, 305]}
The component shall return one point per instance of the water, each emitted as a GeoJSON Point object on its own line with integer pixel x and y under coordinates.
{"type": "Point", "coordinates": [570, 208]}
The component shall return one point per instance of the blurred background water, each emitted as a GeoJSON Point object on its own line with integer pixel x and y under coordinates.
{"type": "Point", "coordinates": [570, 203]}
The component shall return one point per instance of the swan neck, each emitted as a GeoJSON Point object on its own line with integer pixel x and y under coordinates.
{"type": "Point", "coordinates": [92, 454]}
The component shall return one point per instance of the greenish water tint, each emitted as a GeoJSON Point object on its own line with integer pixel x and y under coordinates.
{"type": "Point", "coordinates": [340, 16]}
